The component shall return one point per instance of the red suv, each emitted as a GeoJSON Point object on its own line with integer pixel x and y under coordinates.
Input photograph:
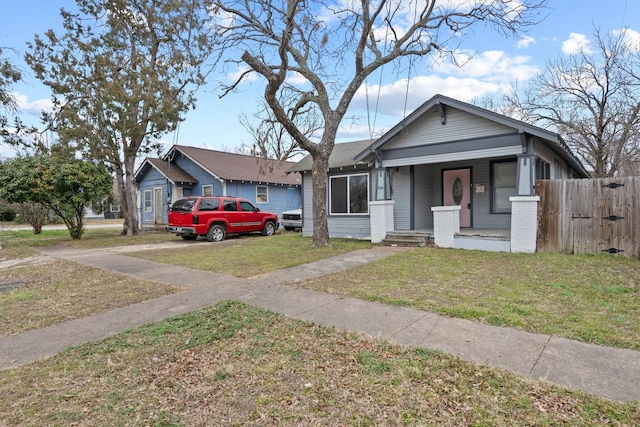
{"type": "Point", "coordinates": [216, 216]}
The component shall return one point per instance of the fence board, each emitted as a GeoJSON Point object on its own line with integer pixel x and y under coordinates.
{"type": "Point", "coordinates": [575, 216]}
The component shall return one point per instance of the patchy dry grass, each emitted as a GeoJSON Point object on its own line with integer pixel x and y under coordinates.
{"type": "Point", "coordinates": [42, 295]}
{"type": "Point", "coordinates": [235, 365]}
{"type": "Point", "coordinates": [588, 298]}
{"type": "Point", "coordinates": [246, 256]}
{"type": "Point", "coordinates": [23, 243]}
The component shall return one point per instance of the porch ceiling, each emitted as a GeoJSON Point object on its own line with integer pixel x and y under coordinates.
{"type": "Point", "coordinates": [453, 157]}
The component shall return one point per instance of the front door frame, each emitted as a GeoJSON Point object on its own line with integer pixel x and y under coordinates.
{"type": "Point", "coordinates": [158, 206]}
{"type": "Point", "coordinates": [468, 202]}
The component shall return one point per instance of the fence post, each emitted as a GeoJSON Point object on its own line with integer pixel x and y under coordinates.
{"type": "Point", "coordinates": [524, 223]}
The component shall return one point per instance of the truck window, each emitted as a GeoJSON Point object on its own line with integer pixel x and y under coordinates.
{"type": "Point", "coordinates": [230, 205]}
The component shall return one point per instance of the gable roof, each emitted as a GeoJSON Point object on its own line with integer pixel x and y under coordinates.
{"type": "Point", "coordinates": [170, 171]}
{"type": "Point", "coordinates": [552, 139]}
{"type": "Point", "coordinates": [341, 156]}
{"type": "Point", "coordinates": [239, 167]}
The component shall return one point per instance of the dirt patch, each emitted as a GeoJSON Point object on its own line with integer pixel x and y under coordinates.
{"type": "Point", "coordinates": [8, 264]}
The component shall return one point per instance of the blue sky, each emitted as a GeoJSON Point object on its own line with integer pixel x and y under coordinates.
{"type": "Point", "coordinates": [495, 64]}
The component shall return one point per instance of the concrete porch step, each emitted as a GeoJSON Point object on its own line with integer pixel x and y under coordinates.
{"type": "Point", "coordinates": [407, 238]}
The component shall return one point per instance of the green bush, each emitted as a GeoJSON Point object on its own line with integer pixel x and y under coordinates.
{"type": "Point", "coordinates": [7, 213]}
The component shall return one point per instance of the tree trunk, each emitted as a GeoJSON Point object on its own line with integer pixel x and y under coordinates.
{"type": "Point", "coordinates": [319, 179]}
{"type": "Point", "coordinates": [131, 215]}
{"type": "Point", "coordinates": [128, 200]}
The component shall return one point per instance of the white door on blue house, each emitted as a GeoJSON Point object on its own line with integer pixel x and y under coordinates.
{"type": "Point", "coordinates": [157, 206]}
{"type": "Point", "coordinates": [456, 190]}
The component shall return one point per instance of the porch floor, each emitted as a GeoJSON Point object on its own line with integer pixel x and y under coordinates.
{"type": "Point", "coordinates": [488, 233]}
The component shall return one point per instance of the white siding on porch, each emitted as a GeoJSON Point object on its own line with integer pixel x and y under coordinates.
{"type": "Point", "coordinates": [459, 126]}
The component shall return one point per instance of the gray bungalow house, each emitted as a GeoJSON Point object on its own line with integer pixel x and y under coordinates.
{"type": "Point", "coordinates": [447, 155]}
{"type": "Point", "coordinates": [191, 171]}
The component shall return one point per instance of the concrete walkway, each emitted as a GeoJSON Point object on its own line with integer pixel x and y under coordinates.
{"type": "Point", "coordinates": [607, 372]}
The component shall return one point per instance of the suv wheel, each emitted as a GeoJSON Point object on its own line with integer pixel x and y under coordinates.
{"type": "Point", "coordinates": [216, 233]}
{"type": "Point", "coordinates": [269, 229]}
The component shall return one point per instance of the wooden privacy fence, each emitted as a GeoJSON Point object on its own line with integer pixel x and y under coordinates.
{"type": "Point", "coordinates": [589, 216]}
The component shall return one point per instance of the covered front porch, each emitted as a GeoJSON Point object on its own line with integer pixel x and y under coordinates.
{"type": "Point", "coordinates": [469, 238]}
{"type": "Point", "coordinates": [520, 237]}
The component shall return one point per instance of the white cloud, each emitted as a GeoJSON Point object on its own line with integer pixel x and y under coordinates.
{"type": "Point", "coordinates": [296, 79]}
{"type": "Point", "coordinates": [34, 107]}
{"type": "Point", "coordinates": [525, 42]}
{"type": "Point", "coordinates": [631, 38]}
{"type": "Point", "coordinates": [235, 75]}
{"type": "Point", "coordinates": [491, 65]}
{"type": "Point", "coordinates": [576, 43]}
{"type": "Point", "coordinates": [394, 96]}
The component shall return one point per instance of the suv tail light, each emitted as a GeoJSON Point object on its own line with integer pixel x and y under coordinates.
{"type": "Point", "coordinates": [195, 219]}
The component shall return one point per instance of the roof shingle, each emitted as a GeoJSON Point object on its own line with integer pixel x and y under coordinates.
{"type": "Point", "coordinates": [241, 167]}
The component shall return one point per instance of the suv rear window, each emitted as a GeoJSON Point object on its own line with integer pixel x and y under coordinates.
{"type": "Point", "coordinates": [183, 205]}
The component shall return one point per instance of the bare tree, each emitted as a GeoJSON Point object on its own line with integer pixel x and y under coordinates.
{"type": "Point", "coordinates": [333, 46]}
{"type": "Point", "coordinates": [592, 99]}
{"type": "Point", "coordinates": [270, 138]}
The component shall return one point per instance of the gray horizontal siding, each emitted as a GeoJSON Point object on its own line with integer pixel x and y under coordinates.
{"type": "Point", "coordinates": [459, 126]}
{"type": "Point", "coordinates": [401, 194]}
{"type": "Point", "coordinates": [345, 226]}
{"type": "Point", "coordinates": [423, 197]}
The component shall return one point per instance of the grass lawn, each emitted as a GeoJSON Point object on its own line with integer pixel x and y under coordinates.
{"type": "Point", "coordinates": [44, 294]}
{"type": "Point", "coordinates": [247, 256]}
{"type": "Point", "coordinates": [593, 299]}
{"type": "Point", "coordinates": [235, 365]}
{"type": "Point", "coordinates": [23, 243]}
{"type": "Point", "coordinates": [232, 364]}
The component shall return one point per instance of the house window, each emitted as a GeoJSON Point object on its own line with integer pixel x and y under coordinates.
{"type": "Point", "coordinates": [147, 201]}
{"type": "Point", "coordinates": [558, 170]}
{"type": "Point", "coordinates": [543, 169]}
{"type": "Point", "coordinates": [349, 194]}
{"type": "Point", "coordinates": [207, 190]}
{"type": "Point", "coordinates": [262, 194]}
{"type": "Point", "coordinates": [503, 178]}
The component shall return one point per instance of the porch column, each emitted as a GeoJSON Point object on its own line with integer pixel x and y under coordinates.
{"type": "Point", "coordinates": [383, 187]}
{"type": "Point", "coordinates": [524, 223]}
{"type": "Point", "coordinates": [446, 222]}
{"type": "Point", "coordinates": [526, 175]}
{"type": "Point", "coordinates": [381, 218]}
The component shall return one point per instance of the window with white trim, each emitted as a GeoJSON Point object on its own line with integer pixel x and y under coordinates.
{"type": "Point", "coordinates": [148, 206]}
{"type": "Point", "coordinates": [349, 194]}
{"type": "Point", "coordinates": [207, 190]}
{"type": "Point", "coordinates": [503, 185]}
{"type": "Point", "coordinates": [262, 194]}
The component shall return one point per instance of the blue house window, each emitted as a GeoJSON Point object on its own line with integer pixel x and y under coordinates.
{"type": "Point", "coordinates": [349, 194]}
{"type": "Point", "coordinates": [147, 200]}
{"type": "Point", "coordinates": [262, 194]}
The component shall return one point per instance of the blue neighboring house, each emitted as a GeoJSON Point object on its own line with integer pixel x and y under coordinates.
{"type": "Point", "coordinates": [191, 171]}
